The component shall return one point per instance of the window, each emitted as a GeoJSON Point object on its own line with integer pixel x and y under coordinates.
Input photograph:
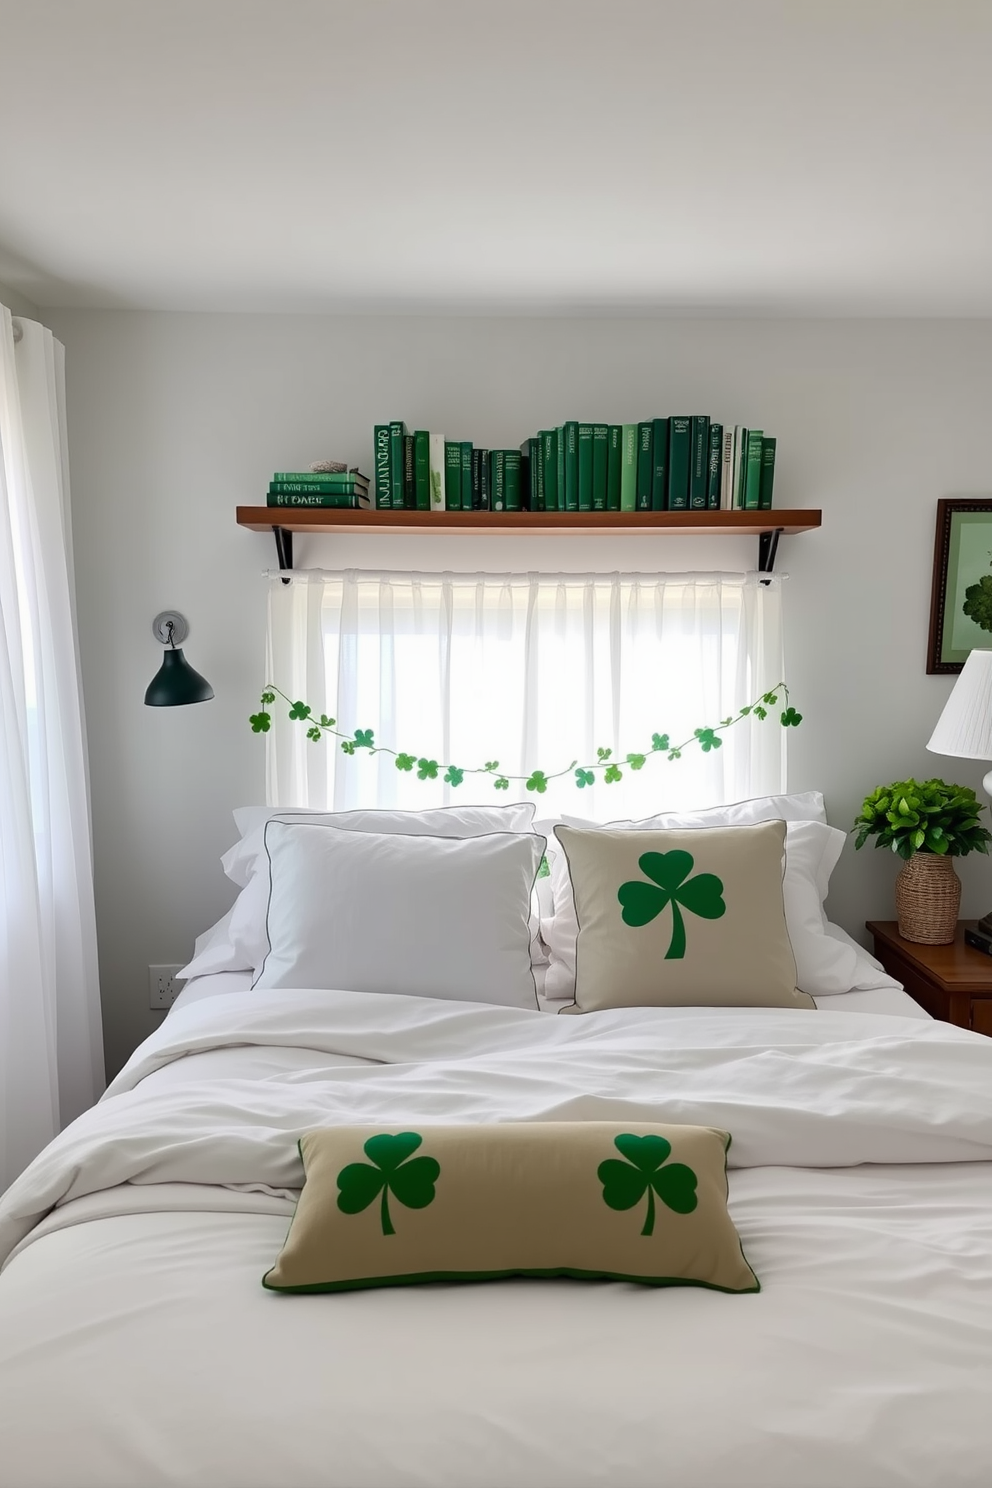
{"type": "Point", "coordinates": [535, 671]}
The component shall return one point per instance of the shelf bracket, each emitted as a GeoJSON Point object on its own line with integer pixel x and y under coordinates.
{"type": "Point", "coordinates": [767, 548]}
{"type": "Point", "coordinates": [284, 547]}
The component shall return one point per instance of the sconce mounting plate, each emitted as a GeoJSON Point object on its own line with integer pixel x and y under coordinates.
{"type": "Point", "coordinates": [160, 627]}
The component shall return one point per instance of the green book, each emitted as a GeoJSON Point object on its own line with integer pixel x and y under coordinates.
{"type": "Point", "coordinates": [600, 461]}
{"type": "Point", "coordinates": [316, 498]}
{"type": "Point", "coordinates": [570, 437]}
{"type": "Point", "coordinates": [396, 433]}
{"type": "Point", "coordinates": [332, 479]}
{"type": "Point", "coordinates": [714, 468]}
{"type": "Point", "coordinates": [659, 464]}
{"type": "Point", "coordinates": [549, 440]}
{"type": "Point", "coordinates": [437, 472]}
{"type": "Point", "coordinates": [645, 465]}
{"type": "Point", "coordinates": [480, 461]}
{"type": "Point", "coordinates": [585, 467]}
{"type": "Point", "coordinates": [497, 479]}
{"type": "Point", "coordinates": [514, 479]}
{"type": "Point", "coordinates": [752, 477]}
{"type": "Point", "coordinates": [699, 460]}
{"type": "Point", "coordinates": [485, 467]}
{"type": "Point", "coordinates": [739, 466]}
{"type": "Point", "coordinates": [628, 467]}
{"type": "Point", "coordinates": [452, 475]}
{"type": "Point", "coordinates": [285, 488]}
{"type": "Point", "coordinates": [560, 458]}
{"type": "Point", "coordinates": [538, 502]}
{"type": "Point", "coordinates": [528, 475]}
{"type": "Point", "coordinates": [422, 470]}
{"type": "Point", "coordinates": [767, 474]}
{"type": "Point", "coordinates": [409, 473]}
{"type": "Point", "coordinates": [679, 459]}
{"type": "Point", "coordinates": [380, 466]}
{"type": "Point", "coordinates": [614, 462]}
{"type": "Point", "coordinates": [466, 463]}
{"type": "Point", "coordinates": [348, 483]}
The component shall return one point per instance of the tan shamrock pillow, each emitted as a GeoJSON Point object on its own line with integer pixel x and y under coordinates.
{"type": "Point", "coordinates": [681, 917]}
{"type": "Point", "coordinates": [630, 1202]}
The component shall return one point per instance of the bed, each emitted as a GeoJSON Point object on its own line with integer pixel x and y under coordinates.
{"type": "Point", "coordinates": [138, 1347]}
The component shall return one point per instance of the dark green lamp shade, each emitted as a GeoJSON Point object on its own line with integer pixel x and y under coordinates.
{"type": "Point", "coordinates": [176, 683]}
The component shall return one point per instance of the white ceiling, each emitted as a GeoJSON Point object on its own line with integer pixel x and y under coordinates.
{"type": "Point", "coordinates": [748, 156]}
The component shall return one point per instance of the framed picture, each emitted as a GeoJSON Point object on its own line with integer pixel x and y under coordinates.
{"type": "Point", "coordinates": [961, 601]}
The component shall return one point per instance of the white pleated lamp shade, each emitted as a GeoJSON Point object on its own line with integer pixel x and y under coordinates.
{"type": "Point", "coordinates": [964, 729]}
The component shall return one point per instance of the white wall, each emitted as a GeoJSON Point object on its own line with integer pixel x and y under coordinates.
{"type": "Point", "coordinates": [17, 304]}
{"type": "Point", "coordinates": [175, 419]}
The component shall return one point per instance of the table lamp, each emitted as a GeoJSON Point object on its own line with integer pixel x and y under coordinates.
{"type": "Point", "coordinates": [964, 728]}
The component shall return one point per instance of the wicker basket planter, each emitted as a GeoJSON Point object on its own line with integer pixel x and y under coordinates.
{"type": "Point", "coordinates": [928, 897]}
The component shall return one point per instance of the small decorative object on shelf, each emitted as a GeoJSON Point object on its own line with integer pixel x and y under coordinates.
{"type": "Point", "coordinates": [681, 463]}
{"type": "Point", "coordinates": [927, 823]}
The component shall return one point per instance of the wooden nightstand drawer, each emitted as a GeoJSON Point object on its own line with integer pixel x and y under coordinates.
{"type": "Point", "coordinates": [952, 982]}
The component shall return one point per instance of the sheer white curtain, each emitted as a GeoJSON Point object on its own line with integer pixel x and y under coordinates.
{"type": "Point", "coordinates": [532, 670]}
{"type": "Point", "coordinates": [51, 1051]}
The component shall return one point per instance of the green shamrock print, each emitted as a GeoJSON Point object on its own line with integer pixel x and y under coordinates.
{"type": "Point", "coordinates": [671, 884]}
{"type": "Point", "coordinates": [626, 1183]}
{"type": "Point", "coordinates": [412, 1182]}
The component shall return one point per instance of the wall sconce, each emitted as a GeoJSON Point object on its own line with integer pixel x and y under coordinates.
{"type": "Point", "coordinates": [175, 682]}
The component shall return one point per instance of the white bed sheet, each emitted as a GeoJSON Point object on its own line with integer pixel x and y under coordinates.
{"type": "Point", "coordinates": [132, 1318]}
{"type": "Point", "coordinates": [893, 1000]}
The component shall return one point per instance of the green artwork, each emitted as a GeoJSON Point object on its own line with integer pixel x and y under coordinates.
{"type": "Point", "coordinates": [671, 884]}
{"type": "Point", "coordinates": [626, 1183]}
{"type": "Point", "coordinates": [389, 1171]}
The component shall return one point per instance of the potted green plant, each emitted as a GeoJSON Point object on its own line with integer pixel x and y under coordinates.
{"type": "Point", "coordinates": [927, 823]}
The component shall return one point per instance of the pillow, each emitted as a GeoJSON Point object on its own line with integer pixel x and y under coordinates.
{"type": "Point", "coordinates": [247, 859]}
{"type": "Point", "coordinates": [242, 860]}
{"type": "Point", "coordinates": [376, 912]}
{"type": "Point", "coordinates": [681, 918]}
{"type": "Point", "coordinates": [585, 1199]}
{"type": "Point", "coordinates": [824, 967]}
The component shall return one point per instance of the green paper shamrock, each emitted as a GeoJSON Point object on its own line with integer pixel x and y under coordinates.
{"type": "Point", "coordinates": [603, 754]}
{"type": "Point", "coordinates": [760, 712]}
{"type": "Point", "coordinates": [411, 1182]}
{"type": "Point", "coordinates": [363, 738]}
{"type": "Point", "coordinates": [771, 698]}
{"type": "Point", "coordinates": [326, 722]}
{"type": "Point", "coordinates": [347, 746]}
{"type": "Point", "coordinates": [707, 739]}
{"type": "Point", "coordinates": [299, 711]}
{"type": "Point", "coordinates": [314, 734]}
{"type": "Point", "coordinates": [659, 741]}
{"type": "Point", "coordinates": [267, 698]}
{"type": "Point", "coordinates": [405, 761]}
{"type": "Point", "coordinates": [612, 774]}
{"type": "Point", "coordinates": [538, 782]}
{"type": "Point", "coordinates": [636, 761]}
{"type": "Point", "coordinates": [426, 769]}
{"type": "Point", "coordinates": [502, 783]}
{"type": "Point", "coordinates": [454, 776]}
{"type": "Point", "coordinates": [491, 765]}
{"type": "Point", "coordinates": [671, 884]}
{"type": "Point", "coordinates": [260, 723]}
{"type": "Point", "coordinates": [791, 719]}
{"type": "Point", "coordinates": [584, 777]}
{"type": "Point", "coordinates": [626, 1183]}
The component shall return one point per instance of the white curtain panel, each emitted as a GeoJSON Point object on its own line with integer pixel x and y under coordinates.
{"type": "Point", "coordinates": [51, 1049]}
{"type": "Point", "coordinates": [537, 671]}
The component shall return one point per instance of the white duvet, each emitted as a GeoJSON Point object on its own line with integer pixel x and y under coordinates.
{"type": "Point", "coordinates": [138, 1347]}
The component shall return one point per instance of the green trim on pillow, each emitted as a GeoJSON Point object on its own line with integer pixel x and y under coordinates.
{"type": "Point", "coordinates": [569, 1273]}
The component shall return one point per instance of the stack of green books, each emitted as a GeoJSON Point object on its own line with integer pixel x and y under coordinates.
{"type": "Point", "coordinates": [690, 463]}
{"type": "Point", "coordinates": [312, 488]}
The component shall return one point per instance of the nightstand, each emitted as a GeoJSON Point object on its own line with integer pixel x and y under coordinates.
{"type": "Point", "coordinates": [953, 982]}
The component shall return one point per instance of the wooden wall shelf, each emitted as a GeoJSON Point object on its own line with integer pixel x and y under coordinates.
{"type": "Point", "coordinates": [767, 526]}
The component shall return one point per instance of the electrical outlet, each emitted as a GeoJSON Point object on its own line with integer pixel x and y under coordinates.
{"type": "Point", "coordinates": [163, 989]}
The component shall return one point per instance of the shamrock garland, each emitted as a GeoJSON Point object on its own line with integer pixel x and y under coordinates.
{"type": "Point", "coordinates": [534, 780]}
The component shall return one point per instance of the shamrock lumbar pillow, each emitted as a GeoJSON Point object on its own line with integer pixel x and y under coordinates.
{"type": "Point", "coordinates": [632, 1202]}
{"type": "Point", "coordinates": [693, 917]}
